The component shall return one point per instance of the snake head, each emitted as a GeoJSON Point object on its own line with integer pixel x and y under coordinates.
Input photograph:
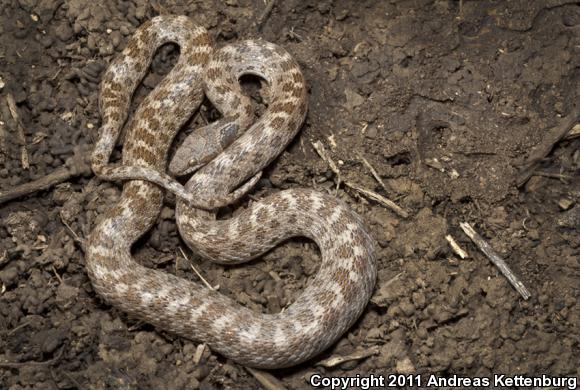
{"type": "Point", "coordinates": [202, 145]}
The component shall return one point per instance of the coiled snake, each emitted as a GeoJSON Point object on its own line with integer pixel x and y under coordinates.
{"type": "Point", "coordinates": [332, 300]}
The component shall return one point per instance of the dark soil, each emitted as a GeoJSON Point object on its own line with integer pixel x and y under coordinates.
{"type": "Point", "coordinates": [446, 99]}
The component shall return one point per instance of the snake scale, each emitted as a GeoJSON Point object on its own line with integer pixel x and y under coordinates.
{"type": "Point", "coordinates": [228, 156]}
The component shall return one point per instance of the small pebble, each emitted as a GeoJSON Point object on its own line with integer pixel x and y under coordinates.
{"type": "Point", "coordinates": [66, 295]}
{"type": "Point", "coordinates": [565, 203]}
{"type": "Point", "coordinates": [92, 42]}
{"type": "Point", "coordinates": [124, 30]}
{"type": "Point", "coordinates": [407, 307]}
{"type": "Point", "coordinates": [52, 341]}
{"type": "Point", "coordinates": [8, 275]}
{"type": "Point", "coordinates": [45, 119]}
{"type": "Point", "coordinates": [419, 299]}
{"type": "Point", "coordinates": [167, 213]}
{"type": "Point", "coordinates": [106, 49]}
{"type": "Point", "coordinates": [116, 38]}
{"type": "Point", "coordinates": [47, 159]}
{"type": "Point", "coordinates": [46, 41]}
{"type": "Point", "coordinates": [84, 91]}
{"type": "Point", "coordinates": [64, 32]}
{"type": "Point", "coordinates": [341, 15]}
{"type": "Point", "coordinates": [92, 71]}
{"type": "Point", "coordinates": [201, 372]}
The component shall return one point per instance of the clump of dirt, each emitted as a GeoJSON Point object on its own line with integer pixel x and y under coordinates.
{"type": "Point", "coordinates": [444, 99]}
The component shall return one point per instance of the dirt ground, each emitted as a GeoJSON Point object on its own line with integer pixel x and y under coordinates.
{"type": "Point", "coordinates": [446, 99]}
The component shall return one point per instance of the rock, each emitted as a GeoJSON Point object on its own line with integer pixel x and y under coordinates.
{"type": "Point", "coordinates": [353, 99]}
{"type": "Point", "coordinates": [66, 295]}
{"type": "Point", "coordinates": [407, 307]}
{"type": "Point", "coordinates": [8, 276]}
{"type": "Point", "coordinates": [53, 338]}
{"type": "Point", "coordinates": [64, 32]}
{"type": "Point", "coordinates": [405, 366]}
{"type": "Point", "coordinates": [570, 219]}
{"type": "Point", "coordinates": [565, 203]}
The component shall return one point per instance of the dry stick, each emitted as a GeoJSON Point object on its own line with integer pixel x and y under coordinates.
{"type": "Point", "coordinates": [58, 176]}
{"type": "Point", "coordinates": [3, 148]}
{"type": "Point", "coordinates": [358, 355]}
{"type": "Point", "coordinates": [455, 246]}
{"type": "Point", "coordinates": [321, 150]}
{"type": "Point", "coordinates": [379, 198]}
{"type": "Point", "coordinates": [19, 130]}
{"type": "Point", "coordinates": [32, 363]}
{"type": "Point", "coordinates": [199, 350]}
{"type": "Point", "coordinates": [495, 259]}
{"type": "Point", "coordinates": [70, 378]}
{"type": "Point", "coordinates": [73, 234]}
{"type": "Point", "coordinates": [553, 175]}
{"type": "Point", "coordinates": [60, 281]}
{"type": "Point", "coordinates": [544, 148]}
{"type": "Point", "coordinates": [267, 380]}
{"type": "Point", "coordinates": [12, 331]}
{"type": "Point", "coordinates": [72, 168]}
{"type": "Point", "coordinates": [373, 172]}
{"type": "Point", "coordinates": [574, 133]}
{"type": "Point", "coordinates": [265, 14]}
{"type": "Point", "coordinates": [369, 194]}
{"type": "Point", "coordinates": [196, 271]}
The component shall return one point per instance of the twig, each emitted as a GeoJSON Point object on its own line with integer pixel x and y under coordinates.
{"type": "Point", "coordinates": [266, 379]}
{"type": "Point", "coordinates": [57, 275]}
{"type": "Point", "coordinates": [73, 234]}
{"type": "Point", "coordinates": [12, 331]}
{"type": "Point", "coordinates": [495, 259]}
{"type": "Point", "coordinates": [19, 130]}
{"type": "Point", "coordinates": [379, 198]}
{"type": "Point", "coordinates": [455, 246]}
{"type": "Point", "coordinates": [3, 257]}
{"type": "Point", "coordinates": [361, 354]}
{"type": "Point", "coordinates": [196, 271]}
{"type": "Point", "coordinates": [32, 363]}
{"type": "Point", "coordinates": [574, 133]}
{"type": "Point", "coordinates": [321, 150]}
{"type": "Point", "coordinates": [545, 147]}
{"type": "Point", "coordinates": [70, 378]}
{"type": "Point", "coordinates": [3, 148]}
{"type": "Point", "coordinates": [56, 177]}
{"type": "Point", "coordinates": [199, 353]}
{"type": "Point", "coordinates": [265, 14]}
{"type": "Point", "coordinates": [275, 276]}
{"type": "Point", "coordinates": [373, 172]}
{"type": "Point", "coordinates": [136, 326]}
{"type": "Point", "coordinates": [560, 176]}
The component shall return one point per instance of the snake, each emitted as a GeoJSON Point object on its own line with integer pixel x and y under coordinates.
{"type": "Point", "coordinates": [225, 160]}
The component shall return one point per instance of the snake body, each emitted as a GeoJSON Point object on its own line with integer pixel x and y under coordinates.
{"type": "Point", "coordinates": [332, 300]}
